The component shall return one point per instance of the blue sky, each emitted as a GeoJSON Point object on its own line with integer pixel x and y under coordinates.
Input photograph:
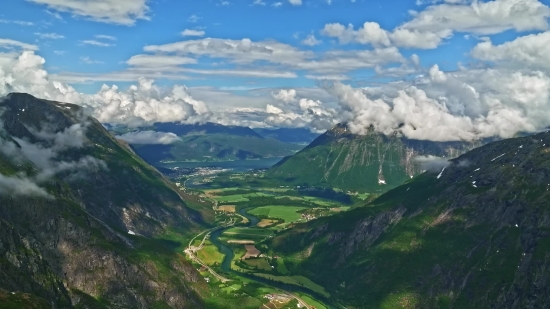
{"type": "Point", "coordinates": [238, 19]}
{"type": "Point", "coordinates": [240, 54]}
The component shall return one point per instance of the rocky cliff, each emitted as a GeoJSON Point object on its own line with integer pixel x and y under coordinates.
{"type": "Point", "coordinates": [372, 162]}
{"type": "Point", "coordinates": [83, 221]}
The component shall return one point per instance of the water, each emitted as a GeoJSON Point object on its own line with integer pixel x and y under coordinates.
{"type": "Point", "coordinates": [229, 255]}
{"type": "Point", "coordinates": [236, 166]}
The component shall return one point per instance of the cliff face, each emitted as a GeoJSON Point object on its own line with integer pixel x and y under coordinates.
{"type": "Point", "coordinates": [82, 218]}
{"type": "Point", "coordinates": [476, 235]}
{"type": "Point", "coordinates": [372, 162]}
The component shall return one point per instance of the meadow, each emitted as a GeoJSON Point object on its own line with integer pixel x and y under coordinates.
{"type": "Point", "coordinates": [286, 213]}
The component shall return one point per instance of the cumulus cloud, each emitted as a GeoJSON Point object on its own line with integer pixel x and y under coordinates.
{"type": "Point", "coordinates": [191, 32]}
{"type": "Point", "coordinates": [531, 51]}
{"type": "Point", "coordinates": [428, 28]}
{"type": "Point", "coordinates": [106, 11]}
{"type": "Point", "coordinates": [149, 138]}
{"type": "Point", "coordinates": [295, 2]}
{"type": "Point", "coordinates": [141, 104]}
{"type": "Point", "coordinates": [463, 105]}
{"type": "Point", "coordinates": [285, 95]}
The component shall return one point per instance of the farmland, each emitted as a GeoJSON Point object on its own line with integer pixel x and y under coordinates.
{"type": "Point", "coordinates": [286, 213]}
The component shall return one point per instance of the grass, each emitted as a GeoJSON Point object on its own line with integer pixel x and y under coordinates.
{"type": "Point", "coordinates": [286, 213]}
{"type": "Point", "coordinates": [240, 233]}
{"type": "Point", "coordinates": [259, 264]}
{"type": "Point", "coordinates": [311, 301]}
{"type": "Point", "coordinates": [297, 280]}
{"type": "Point", "coordinates": [231, 198]}
{"type": "Point", "coordinates": [210, 255]}
{"type": "Point", "coordinates": [281, 267]}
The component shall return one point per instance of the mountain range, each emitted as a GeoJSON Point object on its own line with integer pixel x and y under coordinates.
{"type": "Point", "coordinates": [472, 234]}
{"type": "Point", "coordinates": [73, 201]}
{"type": "Point", "coordinates": [210, 142]}
{"type": "Point", "coordinates": [372, 162]}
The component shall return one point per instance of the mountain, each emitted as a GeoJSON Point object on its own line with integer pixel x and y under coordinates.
{"type": "Point", "coordinates": [474, 235]}
{"type": "Point", "coordinates": [212, 142]}
{"type": "Point", "coordinates": [289, 135]}
{"type": "Point", "coordinates": [372, 162]}
{"type": "Point", "coordinates": [84, 222]}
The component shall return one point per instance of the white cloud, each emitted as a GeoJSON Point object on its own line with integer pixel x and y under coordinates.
{"type": "Point", "coordinates": [17, 22]}
{"type": "Point", "coordinates": [149, 138]}
{"type": "Point", "coordinates": [277, 4]}
{"type": "Point", "coordinates": [247, 52]}
{"type": "Point", "coordinates": [483, 18]}
{"type": "Point", "coordinates": [285, 95]}
{"type": "Point", "coordinates": [428, 28]}
{"type": "Point", "coordinates": [159, 61]}
{"type": "Point", "coordinates": [295, 2]}
{"type": "Point", "coordinates": [105, 37]}
{"type": "Point", "coordinates": [20, 186]}
{"type": "Point", "coordinates": [270, 109]}
{"type": "Point", "coordinates": [59, 52]}
{"type": "Point", "coordinates": [106, 11]}
{"type": "Point", "coordinates": [9, 44]}
{"type": "Point", "coordinates": [310, 40]}
{"type": "Point", "coordinates": [327, 77]}
{"type": "Point", "coordinates": [531, 51]}
{"type": "Point", "coordinates": [96, 43]}
{"type": "Point", "coordinates": [53, 36]}
{"type": "Point", "coordinates": [258, 2]}
{"type": "Point", "coordinates": [190, 32]}
{"type": "Point", "coordinates": [87, 60]}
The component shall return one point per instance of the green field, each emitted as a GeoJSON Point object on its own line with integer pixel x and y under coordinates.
{"type": "Point", "coordinates": [246, 233]}
{"type": "Point", "coordinates": [287, 213]}
{"type": "Point", "coordinates": [232, 198]}
{"type": "Point", "coordinates": [297, 280]}
{"type": "Point", "coordinates": [259, 264]}
{"type": "Point", "coordinates": [209, 254]}
{"type": "Point", "coordinates": [281, 267]}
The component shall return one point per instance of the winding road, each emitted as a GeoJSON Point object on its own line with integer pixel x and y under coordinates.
{"type": "Point", "coordinates": [191, 250]}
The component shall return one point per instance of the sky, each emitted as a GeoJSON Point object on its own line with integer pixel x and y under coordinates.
{"type": "Point", "coordinates": [431, 69]}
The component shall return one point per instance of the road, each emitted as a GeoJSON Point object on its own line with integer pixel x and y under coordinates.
{"type": "Point", "coordinates": [191, 250]}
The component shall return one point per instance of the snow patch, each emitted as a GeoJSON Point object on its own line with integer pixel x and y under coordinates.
{"type": "Point", "coordinates": [498, 157]}
{"type": "Point", "coordinates": [439, 176]}
{"type": "Point", "coordinates": [131, 233]}
{"type": "Point", "coordinates": [477, 169]}
{"type": "Point", "coordinates": [381, 181]}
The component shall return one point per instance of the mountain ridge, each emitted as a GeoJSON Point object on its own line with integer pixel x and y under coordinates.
{"type": "Point", "coordinates": [474, 234]}
{"type": "Point", "coordinates": [87, 231]}
{"type": "Point", "coordinates": [373, 162]}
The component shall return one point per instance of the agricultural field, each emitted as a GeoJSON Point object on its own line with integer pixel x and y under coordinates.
{"type": "Point", "coordinates": [286, 213]}
{"type": "Point", "coordinates": [227, 208]}
{"type": "Point", "coordinates": [266, 223]}
{"type": "Point", "coordinates": [260, 264]}
{"type": "Point", "coordinates": [209, 254]}
{"type": "Point", "coordinates": [245, 233]}
{"type": "Point", "coordinates": [296, 280]}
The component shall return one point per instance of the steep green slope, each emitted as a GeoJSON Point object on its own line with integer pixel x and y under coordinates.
{"type": "Point", "coordinates": [476, 235]}
{"type": "Point", "coordinates": [289, 135]}
{"type": "Point", "coordinates": [372, 162]}
{"type": "Point", "coordinates": [83, 221]}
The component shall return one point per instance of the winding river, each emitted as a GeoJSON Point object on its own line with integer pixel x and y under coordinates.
{"type": "Point", "coordinates": [229, 255]}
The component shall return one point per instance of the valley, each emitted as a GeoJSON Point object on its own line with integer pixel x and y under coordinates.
{"type": "Point", "coordinates": [233, 254]}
